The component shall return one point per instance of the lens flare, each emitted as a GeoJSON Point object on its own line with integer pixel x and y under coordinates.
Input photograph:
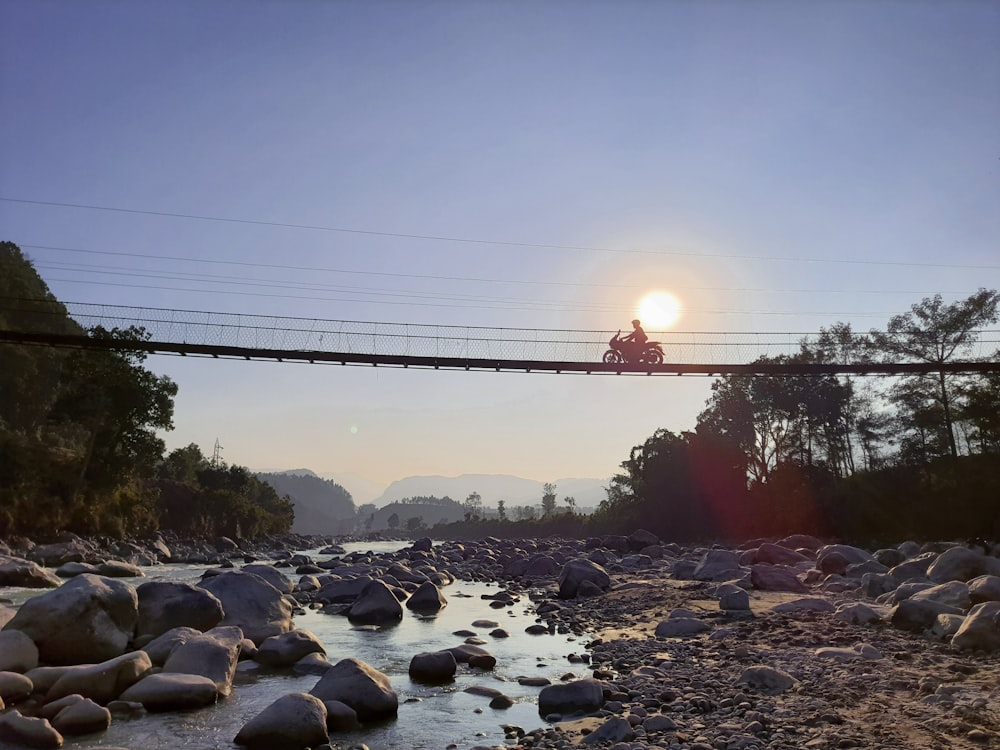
{"type": "Point", "coordinates": [659, 310]}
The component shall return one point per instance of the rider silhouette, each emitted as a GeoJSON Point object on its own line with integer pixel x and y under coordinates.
{"type": "Point", "coordinates": [636, 340]}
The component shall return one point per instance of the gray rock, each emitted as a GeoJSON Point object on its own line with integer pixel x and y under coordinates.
{"type": "Point", "coordinates": [340, 717]}
{"type": "Point", "coordinates": [981, 629]}
{"type": "Point", "coordinates": [433, 667]}
{"type": "Point", "coordinates": [165, 605]}
{"type": "Point", "coordinates": [578, 696]}
{"type": "Point", "coordinates": [342, 590]}
{"type": "Point", "coordinates": [172, 692]}
{"type": "Point", "coordinates": [806, 604]}
{"type": "Point", "coordinates": [857, 613]}
{"type": "Point", "coordinates": [981, 589]}
{"type": "Point", "coordinates": [718, 565]}
{"type": "Point", "coordinates": [962, 564]}
{"type": "Point", "coordinates": [776, 578]}
{"type": "Point", "coordinates": [314, 663]}
{"type": "Point", "coordinates": [18, 653]}
{"type": "Point", "coordinates": [82, 717]}
{"type": "Point", "coordinates": [377, 605]}
{"type": "Point", "coordinates": [73, 569]}
{"type": "Point", "coordinates": [575, 572]}
{"type": "Point", "coordinates": [426, 599]}
{"type": "Point", "coordinates": [160, 647]}
{"type": "Point", "coordinates": [954, 594]}
{"type": "Point", "coordinates": [88, 617]}
{"type": "Point", "coordinates": [362, 687]}
{"type": "Point", "coordinates": [917, 616]}
{"type": "Point", "coordinates": [270, 574]}
{"type": "Point", "coordinates": [284, 650]}
{"type": "Point", "coordinates": [292, 722]}
{"type": "Point", "coordinates": [914, 568]}
{"type": "Point", "coordinates": [732, 598]}
{"type": "Point", "coordinates": [776, 554]}
{"type": "Point", "coordinates": [213, 655]}
{"type": "Point", "coordinates": [119, 569]}
{"type": "Point", "coordinates": [946, 626]}
{"type": "Point", "coordinates": [615, 729]}
{"type": "Point", "coordinates": [102, 682]}
{"type": "Point", "coordinates": [680, 626]}
{"type": "Point", "coordinates": [858, 652]}
{"type": "Point", "coordinates": [766, 679]}
{"type": "Point", "coordinates": [252, 604]}
{"type": "Point", "coordinates": [14, 687]}
{"type": "Point", "coordinates": [19, 731]}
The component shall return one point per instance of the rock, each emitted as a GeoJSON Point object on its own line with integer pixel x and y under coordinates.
{"type": "Point", "coordinates": [954, 594]}
{"type": "Point", "coordinates": [160, 647]}
{"type": "Point", "coordinates": [284, 650]}
{"type": "Point", "coordinates": [981, 589]}
{"type": "Point", "coordinates": [578, 696]}
{"type": "Point", "coordinates": [272, 575]}
{"type": "Point", "coordinates": [766, 679]}
{"type": "Point", "coordinates": [73, 569]}
{"type": "Point", "coordinates": [981, 629]}
{"type": "Point", "coordinates": [172, 692]}
{"type": "Point", "coordinates": [165, 605]}
{"type": "Point", "coordinates": [88, 617]}
{"type": "Point", "coordinates": [213, 655]}
{"type": "Point", "coordinates": [362, 687]}
{"type": "Point", "coordinates": [293, 722]}
{"type": "Point", "coordinates": [82, 717]}
{"type": "Point", "coordinates": [917, 616]}
{"type": "Point", "coordinates": [732, 598]}
{"type": "Point", "coordinates": [14, 687]}
{"type": "Point", "coordinates": [858, 652]}
{"type": "Point", "coordinates": [18, 653]}
{"type": "Point", "coordinates": [840, 556]}
{"type": "Point", "coordinates": [615, 729]}
{"type": "Point", "coordinates": [433, 667]}
{"type": "Point", "coordinates": [17, 572]}
{"type": "Point", "coordinates": [640, 539]}
{"type": "Point", "coordinates": [541, 566]}
{"type": "Point", "coordinates": [252, 604]}
{"type": "Point", "coordinates": [718, 565]}
{"type": "Point", "coordinates": [340, 717]}
{"type": "Point", "coordinates": [23, 732]}
{"type": "Point", "coordinates": [119, 569]}
{"type": "Point", "coordinates": [857, 613]}
{"type": "Point", "coordinates": [54, 555]}
{"type": "Point", "coordinates": [377, 605]}
{"type": "Point", "coordinates": [102, 682]}
{"type": "Point", "coordinates": [424, 544]}
{"type": "Point", "coordinates": [945, 626]}
{"type": "Point", "coordinates": [314, 663]}
{"type": "Point", "coordinates": [426, 599]}
{"type": "Point", "coordinates": [575, 572]}
{"type": "Point", "coordinates": [677, 627]}
{"type": "Point", "coordinates": [915, 568]}
{"type": "Point", "coordinates": [776, 578]}
{"type": "Point", "coordinates": [343, 590]}
{"type": "Point", "coordinates": [962, 564]}
{"type": "Point", "coordinates": [776, 554]}
{"type": "Point", "coordinates": [807, 604]}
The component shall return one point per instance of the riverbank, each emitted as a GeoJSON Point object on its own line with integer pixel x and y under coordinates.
{"type": "Point", "coordinates": [779, 646]}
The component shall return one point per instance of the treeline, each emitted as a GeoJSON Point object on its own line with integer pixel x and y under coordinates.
{"type": "Point", "coordinates": [855, 458]}
{"type": "Point", "coordinates": [79, 449]}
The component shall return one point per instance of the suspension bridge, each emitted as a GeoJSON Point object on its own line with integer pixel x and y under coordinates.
{"type": "Point", "coordinates": [442, 347]}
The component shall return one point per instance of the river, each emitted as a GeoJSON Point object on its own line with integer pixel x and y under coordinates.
{"type": "Point", "coordinates": [429, 716]}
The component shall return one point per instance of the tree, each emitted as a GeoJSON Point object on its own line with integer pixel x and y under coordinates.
{"type": "Point", "coordinates": [473, 506]}
{"type": "Point", "coordinates": [501, 510]}
{"type": "Point", "coordinates": [936, 333]}
{"type": "Point", "coordinates": [570, 504]}
{"type": "Point", "coordinates": [548, 500]}
{"type": "Point", "coordinates": [393, 521]}
{"type": "Point", "coordinates": [415, 523]}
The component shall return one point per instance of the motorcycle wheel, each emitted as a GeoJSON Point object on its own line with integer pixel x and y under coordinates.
{"type": "Point", "coordinates": [613, 357]}
{"type": "Point", "coordinates": [653, 358]}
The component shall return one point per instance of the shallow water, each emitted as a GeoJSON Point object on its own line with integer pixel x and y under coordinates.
{"type": "Point", "coordinates": [429, 716]}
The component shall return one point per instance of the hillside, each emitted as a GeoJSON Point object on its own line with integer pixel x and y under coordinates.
{"type": "Point", "coordinates": [321, 505]}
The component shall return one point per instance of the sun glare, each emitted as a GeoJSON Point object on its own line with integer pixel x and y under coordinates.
{"type": "Point", "coordinates": [659, 310]}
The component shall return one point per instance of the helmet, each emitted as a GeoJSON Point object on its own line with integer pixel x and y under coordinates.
{"type": "Point", "coordinates": [635, 322]}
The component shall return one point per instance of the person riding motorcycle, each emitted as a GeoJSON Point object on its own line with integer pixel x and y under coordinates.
{"type": "Point", "coordinates": [636, 340]}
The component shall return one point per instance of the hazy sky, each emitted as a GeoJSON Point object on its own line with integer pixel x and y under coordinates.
{"type": "Point", "coordinates": [778, 166]}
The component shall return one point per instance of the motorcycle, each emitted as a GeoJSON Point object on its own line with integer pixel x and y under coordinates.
{"type": "Point", "coordinates": [623, 352]}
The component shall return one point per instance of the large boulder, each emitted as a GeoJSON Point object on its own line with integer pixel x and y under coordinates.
{"type": "Point", "coordinates": [342, 590]}
{"type": "Point", "coordinates": [86, 618]}
{"type": "Point", "coordinates": [270, 574]}
{"type": "Point", "coordinates": [377, 605]}
{"type": "Point", "coordinates": [981, 629]}
{"type": "Point", "coordinates": [252, 604]}
{"type": "Point", "coordinates": [161, 647]}
{"type": "Point", "coordinates": [292, 722]}
{"type": "Point", "coordinates": [17, 572]}
{"type": "Point", "coordinates": [102, 682]}
{"type": "Point", "coordinates": [576, 572]}
{"type": "Point", "coordinates": [165, 605]}
{"type": "Point", "coordinates": [954, 594]}
{"type": "Point", "coordinates": [918, 615]}
{"type": "Point", "coordinates": [433, 667]}
{"type": "Point", "coordinates": [17, 731]}
{"type": "Point", "coordinates": [962, 564]}
{"type": "Point", "coordinates": [776, 578]}
{"type": "Point", "coordinates": [172, 692]}
{"type": "Point", "coordinates": [280, 651]}
{"type": "Point", "coordinates": [78, 715]}
{"type": "Point", "coordinates": [213, 655]}
{"type": "Point", "coordinates": [981, 589]}
{"type": "Point", "coordinates": [775, 554]}
{"type": "Point", "coordinates": [360, 686]}
{"type": "Point", "coordinates": [578, 696]}
{"type": "Point", "coordinates": [426, 599]}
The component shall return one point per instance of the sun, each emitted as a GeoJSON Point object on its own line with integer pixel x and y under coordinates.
{"type": "Point", "coordinates": [659, 310]}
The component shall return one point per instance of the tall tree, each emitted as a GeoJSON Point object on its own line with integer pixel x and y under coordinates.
{"type": "Point", "coordinates": [548, 499]}
{"type": "Point", "coordinates": [937, 333]}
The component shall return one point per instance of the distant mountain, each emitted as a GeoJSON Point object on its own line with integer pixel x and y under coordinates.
{"type": "Point", "coordinates": [321, 505]}
{"type": "Point", "coordinates": [588, 493]}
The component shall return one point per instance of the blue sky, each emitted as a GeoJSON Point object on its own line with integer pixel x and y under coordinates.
{"type": "Point", "coordinates": [779, 166]}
